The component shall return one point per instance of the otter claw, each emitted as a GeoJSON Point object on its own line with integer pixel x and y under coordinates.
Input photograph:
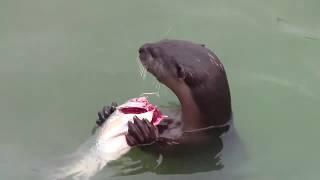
{"type": "Point", "coordinates": [104, 114]}
{"type": "Point", "coordinates": [141, 132]}
{"type": "Point", "coordinates": [114, 105]}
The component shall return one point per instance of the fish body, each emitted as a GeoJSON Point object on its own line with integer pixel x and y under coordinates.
{"type": "Point", "coordinates": [110, 143]}
{"type": "Point", "coordinates": [112, 132]}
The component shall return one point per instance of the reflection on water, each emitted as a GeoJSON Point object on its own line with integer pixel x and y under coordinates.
{"type": "Point", "coordinates": [185, 160]}
{"type": "Point", "coordinates": [87, 160]}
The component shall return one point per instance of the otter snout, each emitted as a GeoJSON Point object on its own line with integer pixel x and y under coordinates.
{"type": "Point", "coordinates": [142, 50]}
{"type": "Point", "coordinates": [143, 54]}
{"type": "Point", "coordinates": [148, 51]}
{"type": "Point", "coordinates": [151, 59]}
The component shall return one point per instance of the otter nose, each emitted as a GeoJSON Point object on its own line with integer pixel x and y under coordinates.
{"type": "Point", "coordinates": [142, 50]}
{"type": "Point", "coordinates": [143, 53]}
{"type": "Point", "coordinates": [150, 50]}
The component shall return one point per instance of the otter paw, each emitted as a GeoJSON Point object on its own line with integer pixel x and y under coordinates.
{"type": "Point", "coordinates": [141, 132]}
{"type": "Point", "coordinates": [104, 114]}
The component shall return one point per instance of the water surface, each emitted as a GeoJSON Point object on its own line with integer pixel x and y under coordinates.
{"type": "Point", "coordinates": [61, 61]}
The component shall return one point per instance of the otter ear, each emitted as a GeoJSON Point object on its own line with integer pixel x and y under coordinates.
{"type": "Point", "coordinates": [203, 45]}
{"type": "Point", "coordinates": [180, 72]}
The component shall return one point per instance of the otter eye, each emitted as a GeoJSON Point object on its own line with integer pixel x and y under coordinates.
{"type": "Point", "coordinates": [180, 71]}
{"type": "Point", "coordinates": [154, 52]}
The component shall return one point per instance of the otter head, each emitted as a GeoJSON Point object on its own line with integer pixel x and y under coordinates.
{"type": "Point", "coordinates": [179, 64]}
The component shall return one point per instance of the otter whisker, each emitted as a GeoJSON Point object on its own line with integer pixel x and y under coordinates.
{"type": "Point", "coordinates": [144, 73]}
{"type": "Point", "coordinates": [139, 65]}
{"type": "Point", "coordinates": [150, 93]}
{"type": "Point", "coordinates": [142, 69]}
{"type": "Point", "coordinates": [157, 87]}
{"type": "Point", "coordinates": [157, 84]}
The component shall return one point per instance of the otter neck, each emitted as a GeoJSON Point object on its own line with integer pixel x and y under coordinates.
{"type": "Point", "coordinates": [191, 114]}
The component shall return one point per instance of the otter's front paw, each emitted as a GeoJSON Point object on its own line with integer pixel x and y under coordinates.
{"type": "Point", "coordinates": [105, 113]}
{"type": "Point", "coordinates": [141, 132]}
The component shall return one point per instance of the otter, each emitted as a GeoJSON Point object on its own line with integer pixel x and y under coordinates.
{"type": "Point", "coordinates": [198, 78]}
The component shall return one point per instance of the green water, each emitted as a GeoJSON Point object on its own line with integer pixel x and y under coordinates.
{"type": "Point", "coordinates": [61, 61]}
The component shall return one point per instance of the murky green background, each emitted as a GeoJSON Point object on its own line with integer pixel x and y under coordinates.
{"type": "Point", "coordinates": [61, 61]}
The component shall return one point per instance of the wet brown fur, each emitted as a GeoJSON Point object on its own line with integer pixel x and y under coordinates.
{"type": "Point", "coordinates": [201, 71]}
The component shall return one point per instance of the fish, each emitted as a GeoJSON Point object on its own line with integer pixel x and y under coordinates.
{"type": "Point", "coordinates": [109, 144]}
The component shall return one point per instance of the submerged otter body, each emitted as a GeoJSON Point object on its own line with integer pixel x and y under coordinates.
{"type": "Point", "coordinates": [198, 79]}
